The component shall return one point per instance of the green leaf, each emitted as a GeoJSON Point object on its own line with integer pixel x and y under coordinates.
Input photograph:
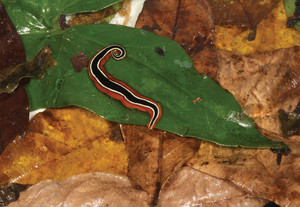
{"type": "Point", "coordinates": [170, 80]}
{"type": "Point", "coordinates": [290, 8]}
{"type": "Point", "coordinates": [41, 16]}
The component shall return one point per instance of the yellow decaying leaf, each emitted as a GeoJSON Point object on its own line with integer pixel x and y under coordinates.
{"type": "Point", "coordinates": [272, 33]}
{"type": "Point", "coordinates": [64, 142]}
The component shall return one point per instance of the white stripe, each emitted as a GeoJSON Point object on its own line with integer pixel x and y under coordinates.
{"type": "Point", "coordinates": [153, 119]}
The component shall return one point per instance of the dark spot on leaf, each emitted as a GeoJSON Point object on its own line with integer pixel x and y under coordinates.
{"type": "Point", "coordinates": [150, 29]}
{"type": "Point", "coordinates": [10, 192]}
{"type": "Point", "coordinates": [156, 194]}
{"type": "Point", "coordinates": [200, 43]}
{"type": "Point", "coordinates": [49, 117]}
{"type": "Point", "coordinates": [160, 51]}
{"type": "Point", "coordinates": [279, 153]}
{"type": "Point", "coordinates": [271, 204]}
{"type": "Point", "coordinates": [59, 83]}
{"type": "Point", "coordinates": [288, 86]}
{"type": "Point", "coordinates": [290, 122]}
{"type": "Point", "coordinates": [226, 162]}
{"type": "Point", "coordinates": [252, 34]}
{"type": "Point", "coordinates": [63, 22]}
{"type": "Point", "coordinates": [292, 21]}
{"type": "Point", "coordinates": [80, 61]}
{"type": "Point", "coordinates": [116, 134]}
{"type": "Point", "coordinates": [204, 163]}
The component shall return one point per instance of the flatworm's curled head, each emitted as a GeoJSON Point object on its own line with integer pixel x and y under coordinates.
{"type": "Point", "coordinates": [118, 53]}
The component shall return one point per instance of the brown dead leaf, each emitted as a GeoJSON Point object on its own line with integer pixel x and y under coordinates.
{"type": "Point", "coordinates": [241, 12]}
{"type": "Point", "coordinates": [91, 189]}
{"type": "Point", "coordinates": [189, 187]}
{"type": "Point", "coordinates": [102, 16]}
{"type": "Point", "coordinates": [63, 142]}
{"type": "Point", "coordinates": [14, 107]}
{"type": "Point", "coordinates": [12, 50]}
{"type": "Point", "coordinates": [80, 61]}
{"type": "Point", "coordinates": [254, 170]}
{"type": "Point", "coordinates": [290, 122]}
{"type": "Point", "coordinates": [155, 155]}
{"type": "Point", "coordinates": [188, 22]}
{"type": "Point", "coordinates": [10, 78]}
{"type": "Point", "coordinates": [272, 33]}
{"type": "Point", "coordinates": [263, 83]}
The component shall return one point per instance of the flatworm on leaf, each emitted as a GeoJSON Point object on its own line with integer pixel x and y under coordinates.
{"type": "Point", "coordinates": [172, 80]}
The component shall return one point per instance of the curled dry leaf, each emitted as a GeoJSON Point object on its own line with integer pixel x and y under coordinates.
{"type": "Point", "coordinates": [243, 13]}
{"type": "Point", "coordinates": [10, 192]}
{"type": "Point", "coordinates": [94, 189]}
{"type": "Point", "coordinates": [189, 23]}
{"type": "Point", "coordinates": [36, 68]}
{"type": "Point", "coordinates": [14, 107]}
{"type": "Point", "coordinates": [63, 142]}
{"type": "Point", "coordinates": [189, 187]}
{"type": "Point", "coordinates": [155, 155]}
{"type": "Point", "coordinates": [272, 33]}
{"type": "Point", "coordinates": [262, 83]}
{"type": "Point", "coordinates": [102, 16]}
{"type": "Point", "coordinates": [255, 171]}
{"type": "Point", "coordinates": [290, 122]}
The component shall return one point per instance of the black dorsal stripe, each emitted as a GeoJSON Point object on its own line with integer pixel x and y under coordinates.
{"type": "Point", "coordinates": [116, 87]}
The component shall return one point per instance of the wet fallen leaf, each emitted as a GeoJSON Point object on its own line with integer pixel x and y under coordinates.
{"type": "Point", "coordinates": [290, 122]}
{"type": "Point", "coordinates": [63, 142]}
{"type": "Point", "coordinates": [14, 107]}
{"type": "Point", "coordinates": [155, 155]}
{"type": "Point", "coordinates": [189, 23]}
{"type": "Point", "coordinates": [272, 33]}
{"type": "Point", "coordinates": [255, 171]}
{"type": "Point", "coordinates": [260, 84]}
{"type": "Point", "coordinates": [189, 187]}
{"type": "Point", "coordinates": [93, 189]}
{"type": "Point", "coordinates": [12, 50]}
{"type": "Point", "coordinates": [36, 68]}
{"type": "Point", "coordinates": [102, 16]}
{"type": "Point", "coordinates": [14, 116]}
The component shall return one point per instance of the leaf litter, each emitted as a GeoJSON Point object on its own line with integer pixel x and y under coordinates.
{"type": "Point", "coordinates": [14, 107]}
{"type": "Point", "coordinates": [272, 177]}
{"type": "Point", "coordinates": [231, 159]}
